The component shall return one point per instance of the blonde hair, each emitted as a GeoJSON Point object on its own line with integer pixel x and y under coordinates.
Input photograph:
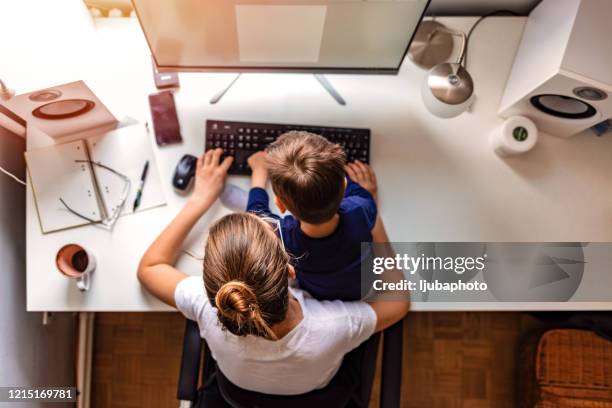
{"type": "Point", "coordinates": [245, 275]}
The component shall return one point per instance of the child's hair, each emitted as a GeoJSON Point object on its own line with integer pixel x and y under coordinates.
{"type": "Point", "coordinates": [307, 174]}
{"type": "Point", "coordinates": [246, 276]}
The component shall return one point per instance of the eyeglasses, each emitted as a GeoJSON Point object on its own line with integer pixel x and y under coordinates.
{"type": "Point", "coordinates": [110, 219]}
{"type": "Point", "coordinates": [192, 255]}
{"type": "Point", "coordinates": [274, 223]}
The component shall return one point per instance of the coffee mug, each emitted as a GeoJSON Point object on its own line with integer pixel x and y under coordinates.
{"type": "Point", "coordinates": [75, 262]}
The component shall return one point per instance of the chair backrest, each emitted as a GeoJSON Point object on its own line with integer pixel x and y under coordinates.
{"type": "Point", "coordinates": [351, 386]}
{"type": "Point", "coordinates": [355, 377]}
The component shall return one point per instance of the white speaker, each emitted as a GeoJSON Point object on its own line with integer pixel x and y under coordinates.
{"type": "Point", "coordinates": [70, 109]}
{"type": "Point", "coordinates": [562, 73]}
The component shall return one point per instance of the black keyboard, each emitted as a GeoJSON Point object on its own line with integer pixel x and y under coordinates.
{"type": "Point", "coordinates": [242, 139]}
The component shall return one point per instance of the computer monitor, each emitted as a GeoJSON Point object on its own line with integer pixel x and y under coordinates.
{"type": "Point", "coordinates": [314, 36]}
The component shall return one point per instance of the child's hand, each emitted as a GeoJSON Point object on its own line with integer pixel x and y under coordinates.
{"type": "Point", "coordinates": [363, 175]}
{"type": "Point", "coordinates": [257, 162]}
{"type": "Point", "coordinates": [210, 177]}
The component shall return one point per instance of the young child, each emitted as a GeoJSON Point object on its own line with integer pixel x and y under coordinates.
{"type": "Point", "coordinates": [331, 214]}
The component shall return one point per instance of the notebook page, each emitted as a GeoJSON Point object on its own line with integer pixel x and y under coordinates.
{"type": "Point", "coordinates": [126, 150]}
{"type": "Point", "coordinates": [54, 174]}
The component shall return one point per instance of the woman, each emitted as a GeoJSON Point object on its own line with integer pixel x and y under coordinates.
{"type": "Point", "coordinates": [264, 335]}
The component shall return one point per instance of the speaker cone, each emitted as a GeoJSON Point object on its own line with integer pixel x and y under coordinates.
{"type": "Point", "coordinates": [64, 109]}
{"type": "Point", "coordinates": [590, 93]}
{"type": "Point", "coordinates": [46, 95]}
{"type": "Point", "coordinates": [563, 106]}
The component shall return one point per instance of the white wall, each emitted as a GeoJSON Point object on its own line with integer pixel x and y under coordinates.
{"type": "Point", "coordinates": [479, 7]}
{"type": "Point", "coordinates": [57, 58]}
{"type": "Point", "coordinates": [30, 353]}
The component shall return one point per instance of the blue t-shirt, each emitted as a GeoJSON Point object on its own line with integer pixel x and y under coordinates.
{"type": "Point", "coordinates": [328, 267]}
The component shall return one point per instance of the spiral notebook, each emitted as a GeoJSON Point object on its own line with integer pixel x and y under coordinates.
{"type": "Point", "coordinates": [55, 174]}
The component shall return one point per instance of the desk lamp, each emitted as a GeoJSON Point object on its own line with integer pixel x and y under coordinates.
{"type": "Point", "coordinates": [448, 89]}
{"type": "Point", "coordinates": [5, 95]}
{"type": "Point", "coordinates": [7, 119]}
{"type": "Point", "coordinates": [5, 92]}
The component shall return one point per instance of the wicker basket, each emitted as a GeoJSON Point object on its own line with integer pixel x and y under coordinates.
{"type": "Point", "coordinates": [565, 368]}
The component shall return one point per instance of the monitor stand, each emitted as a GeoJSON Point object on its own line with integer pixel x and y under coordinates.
{"type": "Point", "coordinates": [321, 78]}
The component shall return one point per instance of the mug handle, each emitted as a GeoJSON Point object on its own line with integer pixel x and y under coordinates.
{"type": "Point", "coordinates": [83, 282]}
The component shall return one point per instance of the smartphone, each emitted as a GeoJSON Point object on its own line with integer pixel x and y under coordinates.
{"type": "Point", "coordinates": [165, 119]}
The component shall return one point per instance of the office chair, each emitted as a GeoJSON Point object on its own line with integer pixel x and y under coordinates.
{"type": "Point", "coordinates": [350, 387]}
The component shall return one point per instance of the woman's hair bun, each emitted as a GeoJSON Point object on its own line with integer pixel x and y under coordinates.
{"type": "Point", "coordinates": [235, 297]}
{"type": "Point", "coordinates": [238, 310]}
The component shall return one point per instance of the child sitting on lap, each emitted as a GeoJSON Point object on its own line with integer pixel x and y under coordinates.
{"type": "Point", "coordinates": [332, 215]}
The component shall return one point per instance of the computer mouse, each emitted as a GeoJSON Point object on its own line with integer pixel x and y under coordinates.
{"type": "Point", "coordinates": [184, 172]}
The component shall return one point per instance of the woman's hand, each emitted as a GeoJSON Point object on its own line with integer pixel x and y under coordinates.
{"type": "Point", "coordinates": [209, 178]}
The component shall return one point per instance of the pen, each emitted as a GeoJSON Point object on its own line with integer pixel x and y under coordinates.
{"type": "Point", "coordinates": [141, 186]}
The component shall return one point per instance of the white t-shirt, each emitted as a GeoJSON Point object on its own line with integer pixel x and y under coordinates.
{"type": "Point", "coordinates": [305, 359]}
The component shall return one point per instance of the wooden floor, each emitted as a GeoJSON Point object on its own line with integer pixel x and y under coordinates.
{"type": "Point", "coordinates": [136, 359]}
{"type": "Point", "coordinates": [461, 360]}
{"type": "Point", "coordinates": [451, 360]}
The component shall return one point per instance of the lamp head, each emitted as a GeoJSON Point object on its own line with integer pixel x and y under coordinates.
{"type": "Point", "coordinates": [448, 90]}
{"type": "Point", "coordinates": [432, 45]}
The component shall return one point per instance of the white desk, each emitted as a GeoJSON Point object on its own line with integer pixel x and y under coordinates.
{"type": "Point", "coordinates": [439, 180]}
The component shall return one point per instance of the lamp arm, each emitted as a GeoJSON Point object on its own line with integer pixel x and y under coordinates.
{"type": "Point", "coordinates": [459, 34]}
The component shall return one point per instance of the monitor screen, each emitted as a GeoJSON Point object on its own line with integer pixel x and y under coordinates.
{"type": "Point", "coordinates": [276, 35]}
